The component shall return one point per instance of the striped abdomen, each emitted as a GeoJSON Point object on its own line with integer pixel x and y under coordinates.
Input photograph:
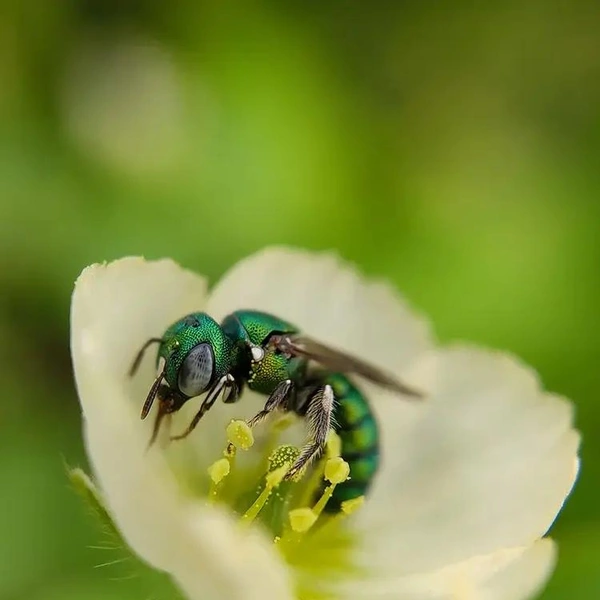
{"type": "Point", "coordinates": [359, 434]}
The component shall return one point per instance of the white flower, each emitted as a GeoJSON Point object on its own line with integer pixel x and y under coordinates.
{"type": "Point", "coordinates": [472, 477]}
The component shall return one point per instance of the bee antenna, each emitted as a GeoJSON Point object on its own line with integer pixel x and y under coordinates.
{"type": "Point", "coordinates": [151, 395]}
{"type": "Point", "coordinates": [140, 355]}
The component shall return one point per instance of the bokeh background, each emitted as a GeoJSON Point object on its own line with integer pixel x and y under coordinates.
{"type": "Point", "coordinates": [450, 148]}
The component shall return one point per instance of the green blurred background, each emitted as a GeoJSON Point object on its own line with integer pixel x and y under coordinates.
{"type": "Point", "coordinates": [450, 148]}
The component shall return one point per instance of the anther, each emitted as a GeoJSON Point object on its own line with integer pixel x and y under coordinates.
{"type": "Point", "coordinates": [337, 470]}
{"type": "Point", "coordinates": [219, 470]}
{"type": "Point", "coordinates": [350, 506]}
{"type": "Point", "coordinates": [217, 473]}
{"type": "Point", "coordinates": [240, 435]}
{"type": "Point", "coordinates": [302, 519]}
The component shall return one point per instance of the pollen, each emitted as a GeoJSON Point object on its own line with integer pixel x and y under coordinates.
{"type": "Point", "coordinates": [282, 456]}
{"type": "Point", "coordinates": [240, 435]}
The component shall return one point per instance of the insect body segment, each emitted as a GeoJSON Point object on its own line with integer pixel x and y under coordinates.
{"type": "Point", "coordinates": [197, 357]}
{"type": "Point", "coordinates": [254, 330]}
{"type": "Point", "coordinates": [357, 427]}
{"type": "Point", "coordinates": [179, 350]}
{"type": "Point", "coordinates": [297, 374]}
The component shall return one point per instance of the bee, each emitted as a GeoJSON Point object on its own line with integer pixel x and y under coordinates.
{"type": "Point", "coordinates": [269, 355]}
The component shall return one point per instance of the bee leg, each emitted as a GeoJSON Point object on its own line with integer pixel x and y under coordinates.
{"type": "Point", "coordinates": [276, 400]}
{"type": "Point", "coordinates": [319, 420]}
{"type": "Point", "coordinates": [227, 381]}
{"type": "Point", "coordinates": [233, 392]}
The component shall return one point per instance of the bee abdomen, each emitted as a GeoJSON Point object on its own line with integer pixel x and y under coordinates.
{"type": "Point", "coordinates": [359, 434]}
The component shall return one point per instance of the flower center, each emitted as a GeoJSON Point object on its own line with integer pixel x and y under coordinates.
{"type": "Point", "coordinates": [286, 507]}
{"type": "Point", "coordinates": [314, 542]}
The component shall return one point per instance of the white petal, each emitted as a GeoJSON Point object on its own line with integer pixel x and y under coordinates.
{"type": "Point", "coordinates": [328, 300]}
{"type": "Point", "coordinates": [508, 574]}
{"type": "Point", "coordinates": [486, 463]}
{"type": "Point", "coordinates": [115, 308]}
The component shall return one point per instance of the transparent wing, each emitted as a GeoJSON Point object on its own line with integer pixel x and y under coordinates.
{"type": "Point", "coordinates": [338, 361]}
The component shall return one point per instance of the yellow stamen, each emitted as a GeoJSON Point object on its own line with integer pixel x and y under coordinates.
{"type": "Point", "coordinates": [302, 519]}
{"type": "Point", "coordinates": [332, 450]}
{"type": "Point", "coordinates": [251, 514]}
{"type": "Point", "coordinates": [280, 461]}
{"type": "Point", "coordinates": [275, 477]}
{"type": "Point", "coordinates": [337, 470]}
{"type": "Point", "coordinates": [240, 435]}
{"type": "Point", "coordinates": [320, 505]}
{"type": "Point", "coordinates": [217, 473]}
{"type": "Point", "coordinates": [274, 497]}
{"type": "Point", "coordinates": [219, 470]}
{"type": "Point", "coordinates": [350, 506]}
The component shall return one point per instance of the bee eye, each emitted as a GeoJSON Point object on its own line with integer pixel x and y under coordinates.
{"type": "Point", "coordinates": [196, 371]}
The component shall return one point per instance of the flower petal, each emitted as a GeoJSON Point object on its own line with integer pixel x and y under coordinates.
{"type": "Point", "coordinates": [508, 574]}
{"type": "Point", "coordinates": [328, 300]}
{"type": "Point", "coordinates": [114, 309]}
{"type": "Point", "coordinates": [487, 463]}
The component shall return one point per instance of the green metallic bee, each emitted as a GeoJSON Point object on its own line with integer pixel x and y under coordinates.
{"type": "Point", "coordinates": [296, 373]}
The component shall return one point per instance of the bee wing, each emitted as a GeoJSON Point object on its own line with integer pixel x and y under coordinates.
{"type": "Point", "coordinates": [336, 360]}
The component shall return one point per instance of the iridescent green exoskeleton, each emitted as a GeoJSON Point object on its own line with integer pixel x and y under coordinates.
{"type": "Point", "coordinates": [296, 373]}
